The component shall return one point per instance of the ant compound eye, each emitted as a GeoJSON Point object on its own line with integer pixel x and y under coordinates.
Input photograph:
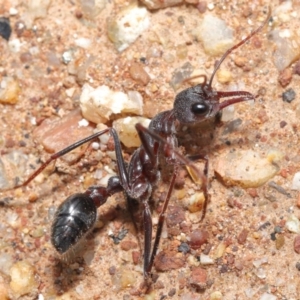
{"type": "Point", "coordinates": [200, 108]}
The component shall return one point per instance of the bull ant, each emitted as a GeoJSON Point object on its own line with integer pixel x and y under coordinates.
{"type": "Point", "coordinates": [76, 216]}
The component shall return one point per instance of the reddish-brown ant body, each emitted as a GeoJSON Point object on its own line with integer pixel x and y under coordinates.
{"type": "Point", "coordinates": [78, 213]}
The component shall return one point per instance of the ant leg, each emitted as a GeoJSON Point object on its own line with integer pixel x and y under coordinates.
{"type": "Point", "coordinates": [60, 154]}
{"type": "Point", "coordinates": [130, 208]}
{"type": "Point", "coordinates": [161, 221]}
{"type": "Point", "coordinates": [118, 150]}
{"type": "Point", "coordinates": [196, 175]}
{"type": "Point", "coordinates": [147, 220]}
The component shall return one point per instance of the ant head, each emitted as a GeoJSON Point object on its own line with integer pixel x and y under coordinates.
{"type": "Point", "coordinates": [196, 104]}
{"type": "Point", "coordinates": [201, 102]}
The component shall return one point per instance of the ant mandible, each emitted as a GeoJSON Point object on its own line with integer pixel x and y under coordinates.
{"type": "Point", "coordinates": [76, 216]}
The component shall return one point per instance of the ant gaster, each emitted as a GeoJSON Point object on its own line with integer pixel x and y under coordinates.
{"type": "Point", "coordinates": [76, 216]}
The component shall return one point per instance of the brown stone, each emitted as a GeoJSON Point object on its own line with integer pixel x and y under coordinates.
{"type": "Point", "coordinates": [198, 278]}
{"type": "Point", "coordinates": [242, 237]}
{"type": "Point", "coordinates": [285, 77]}
{"type": "Point", "coordinates": [136, 256]}
{"type": "Point", "coordinates": [168, 260]}
{"type": "Point", "coordinates": [138, 73]}
{"type": "Point", "coordinates": [57, 134]}
{"type": "Point", "coordinates": [198, 238]}
{"type": "Point", "coordinates": [128, 245]}
{"type": "Point", "coordinates": [175, 215]}
{"type": "Point", "coordinates": [297, 244]}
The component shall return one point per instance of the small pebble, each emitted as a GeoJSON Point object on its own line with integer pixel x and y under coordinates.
{"type": "Point", "coordinates": [297, 244]}
{"type": "Point", "coordinates": [123, 278]}
{"type": "Point", "coordinates": [206, 260]}
{"type": "Point", "coordinates": [297, 68]}
{"type": "Point", "coordinates": [267, 296]}
{"type": "Point", "coordinates": [175, 216]}
{"type": "Point", "coordinates": [282, 124]}
{"type": "Point", "coordinates": [261, 273]}
{"type": "Point", "coordinates": [296, 182]}
{"type": "Point", "coordinates": [289, 95]}
{"type": "Point", "coordinates": [136, 256]}
{"type": "Point", "coordinates": [9, 90]}
{"type": "Point", "coordinates": [242, 237]}
{"type": "Point", "coordinates": [198, 278]}
{"type": "Point", "coordinates": [293, 224]}
{"type": "Point", "coordinates": [195, 202]}
{"type": "Point", "coordinates": [4, 289]}
{"type": "Point", "coordinates": [168, 260]}
{"type": "Point", "coordinates": [228, 114]}
{"type": "Point", "coordinates": [138, 73]}
{"type": "Point", "coordinates": [184, 248]}
{"type": "Point", "coordinates": [285, 77]}
{"type": "Point", "coordinates": [202, 6]}
{"type": "Point", "coordinates": [98, 104]}
{"type": "Point", "coordinates": [277, 229]}
{"type": "Point", "coordinates": [220, 41]}
{"type": "Point", "coordinates": [279, 188]}
{"type": "Point", "coordinates": [67, 56]}
{"type": "Point", "coordinates": [172, 292]}
{"type": "Point", "coordinates": [128, 245]}
{"type": "Point", "coordinates": [287, 48]}
{"type": "Point", "coordinates": [57, 134]}
{"type": "Point", "coordinates": [5, 29]}
{"type": "Point", "coordinates": [298, 266]}
{"type": "Point", "coordinates": [298, 201]}
{"type": "Point", "coordinates": [279, 242]}
{"type": "Point", "coordinates": [88, 257]}
{"type": "Point", "coordinates": [83, 42]}
{"type": "Point", "coordinates": [127, 132]}
{"type": "Point", "coordinates": [25, 57]}
{"type": "Point", "coordinates": [182, 51]}
{"type": "Point", "coordinates": [23, 280]}
{"type": "Point", "coordinates": [257, 263]}
{"type": "Point", "coordinates": [198, 237]}
{"type": "Point", "coordinates": [125, 27]}
{"type": "Point", "coordinates": [220, 250]}
{"type": "Point", "coordinates": [241, 61]}
{"type": "Point", "coordinates": [246, 168]}
{"type": "Point", "coordinates": [157, 4]}
{"type": "Point", "coordinates": [224, 76]}
{"type": "Point", "coordinates": [253, 192]}
{"type": "Point", "coordinates": [216, 296]}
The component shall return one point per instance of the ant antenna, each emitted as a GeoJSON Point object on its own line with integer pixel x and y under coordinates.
{"type": "Point", "coordinates": [238, 45]}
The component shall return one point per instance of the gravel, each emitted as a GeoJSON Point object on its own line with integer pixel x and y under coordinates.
{"type": "Point", "coordinates": [54, 51]}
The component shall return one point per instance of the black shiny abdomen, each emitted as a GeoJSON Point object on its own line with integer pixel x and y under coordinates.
{"type": "Point", "coordinates": [73, 219]}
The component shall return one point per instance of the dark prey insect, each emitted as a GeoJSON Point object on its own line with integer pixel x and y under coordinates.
{"type": "Point", "coordinates": [78, 213]}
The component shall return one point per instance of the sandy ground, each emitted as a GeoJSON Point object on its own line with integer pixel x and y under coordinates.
{"type": "Point", "coordinates": [251, 249]}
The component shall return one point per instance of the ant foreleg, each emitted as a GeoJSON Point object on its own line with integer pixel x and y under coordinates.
{"type": "Point", "coordinates": [169, 149]}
